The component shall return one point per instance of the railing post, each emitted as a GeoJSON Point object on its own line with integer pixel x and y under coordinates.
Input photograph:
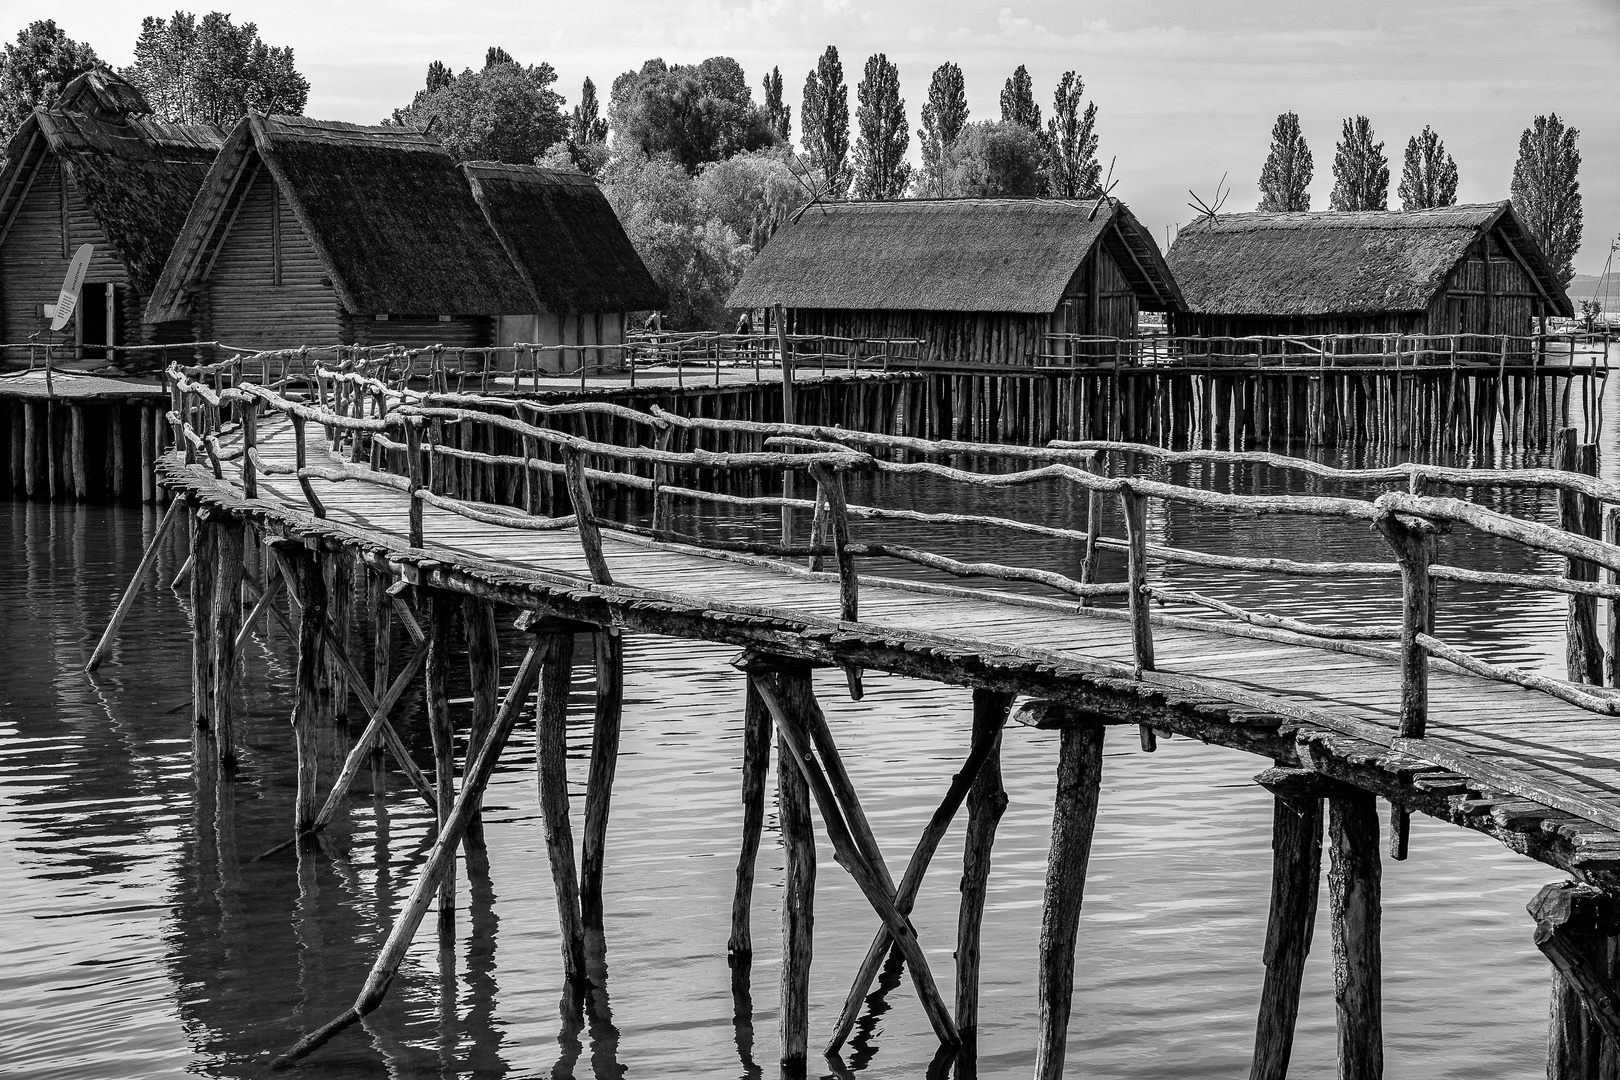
{"type": "Point", "coordinates": [1134, 508]}
{"type": "Point", "coordinates": [1578, 514]}
{"type": "Point", "coordinates": [789, 415]}
{"type": "Point", "coordinates": [298, 465]}
{"type": "Point", "coordinates": [1413, 541]}
{"type": "Point", "coordinates": [250, 440]}
{"type": "Point", "coordinates": [1611, 666]}
{"type": "Point", "coordinates": [660, 478]}
{"type": "Point", "coordinates": [413, 469]}
{"type": "Point", "coordinates": [579, 493]}
{"type": "Point", "coordinates": [830, 487]}
{"type": "Point", "coordinates": [1094, 505]}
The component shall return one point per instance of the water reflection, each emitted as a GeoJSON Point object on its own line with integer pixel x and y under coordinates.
{"type": "Point", "coordinates": [129, 893]}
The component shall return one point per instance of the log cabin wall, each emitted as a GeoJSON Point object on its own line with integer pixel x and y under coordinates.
{"type": "Point", "coordinates": [50, 224]}
{"type": "Point", "coordinates": [1487, 292]}
{"type": "Point", "coordinates": [949, 336]}
{"type": "Point", "coordinates": [268, 288]}
{"type": "Point", "coordinates": [420, 331]}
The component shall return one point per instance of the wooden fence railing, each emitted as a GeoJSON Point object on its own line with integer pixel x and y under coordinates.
{"type": "Point", "coordinates": [1340, 352]}
{"type": "Point", "coordinates": [374, 434]}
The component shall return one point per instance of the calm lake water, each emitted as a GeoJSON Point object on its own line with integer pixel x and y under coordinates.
{"type": "Point", "coordinates": [139, 938]}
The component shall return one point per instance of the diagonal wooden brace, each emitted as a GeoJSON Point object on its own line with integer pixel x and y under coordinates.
{"type": "Point", "coordinates": [794, 730]}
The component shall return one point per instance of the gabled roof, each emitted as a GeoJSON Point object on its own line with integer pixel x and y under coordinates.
{"type": "Point", "coordinates": [1000, 255]}
{"type": "Point", "coordinates": [560, 231]}
{"type": "Point", "coordinates": [1343, 262]}
{"type": "Point", "coordinates": [390, 216]}
{"type": "Point", "coordinates": [137, 175]}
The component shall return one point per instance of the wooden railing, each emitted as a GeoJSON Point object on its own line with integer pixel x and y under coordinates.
{"type": "Point", "coordinates": [374, 434]}
{"type": "Point", "coordinates": [1341, 352]}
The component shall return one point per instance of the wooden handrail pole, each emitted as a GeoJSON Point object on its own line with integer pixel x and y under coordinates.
{"type": "Point", "coordinates": [1413, 542]}
{"type": "Point", "coordinates": [298, 461]}
{"type": "Point", "coordinates": [250, 442]}
{"type": "Point", "coordinates": [831, 489]}
{"type": "Point", "coordinates": [789, 416]}
{"type": "Point", "coordinates": [1134, 508]}
{"type": "Point", "coordinates": [413, 467]}
{"type": "Point", "coordinates": [590, 536]}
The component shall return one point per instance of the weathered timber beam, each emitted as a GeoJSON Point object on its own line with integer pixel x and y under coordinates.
{"type": "Point", "coordinates": [1355, 896]}
{"type": "Point", "coordinates": [1296, 865]}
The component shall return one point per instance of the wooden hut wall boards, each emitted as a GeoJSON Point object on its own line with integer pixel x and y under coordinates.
{"type": "Point", "coordinates": [565, 240]}
{"type": "Point", "coordinates": [96, 169]}
{"type": "Point", "coordinates": [1463, 270]}
{"type": "Point", "coordinates": [311, 232]}
{"type": "Point", "coordinates": [978, 280]}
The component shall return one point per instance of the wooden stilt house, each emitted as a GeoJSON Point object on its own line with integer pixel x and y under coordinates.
{"type": "Point", "coordinates": [978, 280]}
{"type": "Point", "coordinates": [96, 169]}
{"type": "Point", "coordinates": [1457, 270]}
{"type": "Point", "coordinates": [310, 232]}
{"type": "Point", "coordinates": [563, 236]}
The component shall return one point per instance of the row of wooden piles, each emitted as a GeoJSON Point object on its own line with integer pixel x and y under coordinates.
{"type": "Point", "coordinates": [82, 450]}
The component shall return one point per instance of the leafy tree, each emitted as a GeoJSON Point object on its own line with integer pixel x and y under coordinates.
{"type": "Point", "coordinates": [697, 259]}
{"type": "Point", "coordinates": [943, 118]}
{"type": "Point", "coordinates": [992, 159]}
{"type": "Point", "coordinates": [1428, 175]}
{"type": "Point", "coordinates": [697, 113]}
{"type": "Point", "coordinates": [1360, 169]}
{"type": "Point", "coordinates": [751, 194]}
{"type": "Point", "coordinates": [1285, 178]}
{"type": "Point", "coordinates": [213, 71]}
{"type": "Point", "coordinates": [506, 112]}
{"type": "Point", "coordinates": [439, 76]}
{"type": "Point", "coordinates": [881, 171]}
{"type": "Point", "coordinates": [1071, 140]}
{"type": "Point", "coordinates": [1018, 101]}
{"type": "Point", "coordinates": [34, 69]}
{"type": "Point", "coordinates": [824, 118]}
{"type": "Point", "coordinates": [588, 125]}
{"type": "Point", "coordinates": [1547, 192]}
{"type": "Point", "coordinates": [778, 114]}
{"type": "Point", "coordinates": [496, 55]}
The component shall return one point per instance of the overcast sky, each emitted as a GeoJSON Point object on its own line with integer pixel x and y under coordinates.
{"type": "Point", "coordinates": [1186, 89]}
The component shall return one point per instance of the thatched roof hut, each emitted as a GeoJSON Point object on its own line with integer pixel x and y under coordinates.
{"type": "Point", "coordinates": [315, 232]}
{"type": "Point", "coordinates": [982, 280]}
{"type": "Point", "coordinates": [1470, 269]}
{"type": "Point", "coordinates": [97, 169]}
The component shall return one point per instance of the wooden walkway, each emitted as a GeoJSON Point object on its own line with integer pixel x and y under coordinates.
{"type": "Point", "coordinates": [1271, 698]}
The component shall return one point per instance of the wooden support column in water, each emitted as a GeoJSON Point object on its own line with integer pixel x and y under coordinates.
{"type": "Point", "coordinates": [1578, 514]}
{"type": "Point", "coordinates": [1074, 816]}
{"type": "Point", "coordinates": [604, 761]}
{"type": "Point", "coordinates": [1576, 929]}
{"type": "Point", "coordinates": [986, 801]}
{"type": "Point", "coordinates": [484, 676]}
{"type": "Point", "coordinates": [551, 767]}
{"type": "Point", "coordinates": [1296, 868]}
{"type": "Point", "coordinates": [204, 543]}
{"type": "Point", "coordinates": [756, 767]}
{"type": "Point", "coordinates": [225, 624]}
{"type": "Point", "coordinates": [1354, 891]}
{"type": "Point", "coordinates": [309, 708]}
{"type": "Point", "coordinates": [441, 624]}
{"type": "Point", "coordinates": [798, 907]}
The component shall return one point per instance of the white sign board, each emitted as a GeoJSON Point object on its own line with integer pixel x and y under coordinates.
{"type": "Point", "coordinates": [69, 297]}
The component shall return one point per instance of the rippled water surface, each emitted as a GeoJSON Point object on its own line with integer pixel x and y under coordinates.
{"type": "Point", "coordinates": [139, 937]}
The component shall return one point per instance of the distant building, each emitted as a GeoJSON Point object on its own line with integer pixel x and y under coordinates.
{"type": "Point", "coordinates": [1454, 270]}
{"type": "Point", "coordinates": [561, 233]}
{"type": "Point", "coordinates": [979, 280]}
{"type": "Point", "coordinates": [95, 168]}
{"type": "Point", "coordinates": [310, 232]}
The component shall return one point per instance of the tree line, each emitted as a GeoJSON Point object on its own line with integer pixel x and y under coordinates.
{"type": "Point", "coordinates": [1545, 190]}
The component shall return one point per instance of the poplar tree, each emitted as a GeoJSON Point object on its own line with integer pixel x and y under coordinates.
{"type": "Point", "coordinates": [1360, 169]}
{"type": "Point", "coordinates": [881, 171]}
{"type": "Point", "coordinates": [1018, 101]}
{"type": "Point", "coordinates": [1428, 174]}
{"type": "Point", "coordinates": [587, 125]}
{"type": "Point", "coordinates": [1285, 178]}
{"type": "Point", "coordinates": [1071, 140]}
{"type": "Point", "coordinates": [943, 118]}
{"type": "Point", "coordinates": [1547, 192]}
{"type": "Point", "coordinates": [824, 117]}
{"type": "Point", "coordinates": [778, 113]}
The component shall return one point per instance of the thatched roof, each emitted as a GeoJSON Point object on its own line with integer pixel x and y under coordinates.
{"type": "Point", "coordinates": [389, 213]}
{"type": "Point", "coordinates": [996, 255]}
{"type": "Point", "coordinates": [137, 175]}
{"type": "Point", "coordinates": [564, 237]}
{"type": "Point", "coordinates": [104, 94]}
{"type": "Point", "coordinates": [1342, 263]}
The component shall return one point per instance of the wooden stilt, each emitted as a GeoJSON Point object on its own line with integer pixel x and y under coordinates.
{"type": "Point", "coordinates": [798, 908]}
{"type": "Point", "coordinates": [438, 861]}
{"type": "Point", "coordinates": [484, 674]}
{"type": "Point", "coordinates": [1354, 894]}
{"type": "Point", "coordinates": [148, 474]}
{"type": "Point", "coordinates": [1576, 928]}
{"type": "Point", "coordinates": [755, 769]}
{"type": "Point", "coordinates": [115, 450]}
{"type": "Point", "coordinates": [33, 427]}
{"type": "Point", "coordinates": [1296, 867]}
{"type": "Point", "coordinates": [381, 609]}
{"type": "Point", "coordinates": [987, 800]}
{"type": "Point", "coordinates": [551, 765]}
{"type": "Point", "coordinates": [80, 481]}
{"type": "Point", "coordinates": [204, 543]}
{"type": "Point", "coordinates": [338, 569]}
{"type": "Point", "coordinates": [1074, 816]}
{"type": "Point", "coordinates": [441, 625]}
{"type": "Point", "coordinates": [308, 707]}
{"type": "Point", "coordinates": [604, 760]}
{"type": "Point", "coordinates": [225, 624]}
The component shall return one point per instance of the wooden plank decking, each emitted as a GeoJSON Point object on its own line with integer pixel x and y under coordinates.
{"type": "Point", "coordinates": [1233, 691]}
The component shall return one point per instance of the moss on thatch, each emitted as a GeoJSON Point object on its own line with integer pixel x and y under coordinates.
{"type": "Point", "coordinates": [1338, 263]}
{"type": "Point", "coordinates": [564, 237]}
{"type": "Point", "coordinates": [992, 255]}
